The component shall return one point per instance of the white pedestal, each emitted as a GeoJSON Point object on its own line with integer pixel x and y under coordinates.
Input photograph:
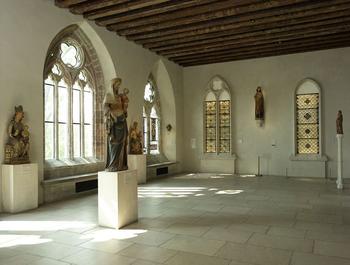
{"type": "Point", "coordinates": [117, 198]}
{"type": "Point", "coordinates": [138, 162]}
{"type": "Point", "coordinates": [19, 187]}
{"type": "Point", "coordinates": [340, 161]}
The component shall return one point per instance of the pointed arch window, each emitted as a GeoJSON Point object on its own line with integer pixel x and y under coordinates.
{"type": "Point", "coordinates": [307, 118]}
{"type": "Point", "coordinates": [151, 119]}
{"type": "Point", "coordinates": [217, 118]}
{"type": "Point", "coordinates": [69, 104]}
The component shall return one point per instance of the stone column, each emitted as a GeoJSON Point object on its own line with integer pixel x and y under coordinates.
{"type": "Point", "coordinates": [340, 161]}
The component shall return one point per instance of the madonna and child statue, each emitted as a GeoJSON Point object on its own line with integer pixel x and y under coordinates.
{"type": "Point", "coordinates": [115, 110]}
{"type": "Point", "coordinates": [17, 146]}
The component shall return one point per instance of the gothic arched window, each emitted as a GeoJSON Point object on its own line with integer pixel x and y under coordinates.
{"type": "Point", "coordinates": [69, 103]}
{"type": "Point", "coordinates": [307, 117]}
{"type": "Point", "coordinates": [151, 119]}
{"type": "Point", "coordinates": [217, 117]}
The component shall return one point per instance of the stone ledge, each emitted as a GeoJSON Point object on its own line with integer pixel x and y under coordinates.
{"type": "Point", "coordinates": [309, 157]}
{"type": "Point", "coordinates": [221, 156]}
{"type": "Point", "coordinates": [162, 164]}
{"type": "Point", "coordinates": [77, 178]}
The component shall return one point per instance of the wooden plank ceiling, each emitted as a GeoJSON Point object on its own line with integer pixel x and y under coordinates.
{"type": "Point", "coordinates": [197, 32]}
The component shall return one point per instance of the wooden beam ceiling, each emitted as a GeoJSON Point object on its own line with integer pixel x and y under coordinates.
{"type": "Point", "coordinates": [195, 32]}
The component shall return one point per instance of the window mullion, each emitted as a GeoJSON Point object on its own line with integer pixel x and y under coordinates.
{"type": "Point", "coordinates": [56, 151]}
{"type": "Point", "coordinates": [70, 122]}
{"type": "Point", "coordinates": [217, 127]}
{"type": "Point", "coordinates": [82, 123]}
{"type": "Point", "coordinates": [148, 134]}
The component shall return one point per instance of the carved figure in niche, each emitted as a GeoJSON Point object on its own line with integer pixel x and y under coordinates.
{"type": "Point", "coordinates": [339, 122]}
{"type": "Point", "coordinates": [259, 104]}
{"type": "Point", "coordinates": [116, 107]}
{"type": "Point", "coordinates": [17, 146]}
{"type": "Point", "coordinates": [135, 139]}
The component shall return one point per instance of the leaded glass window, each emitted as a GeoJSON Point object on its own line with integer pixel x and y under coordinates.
{"type": "Point", "coordinates": [224, 126]}
{"type": "Point", "coordinates": [210, 126]}
{"type": "Point", "coordinates": [217, 118]}
{"type": "Point", "coordinates": [69, 105]}
{"type": "Point", "coordinates": [307, 123]}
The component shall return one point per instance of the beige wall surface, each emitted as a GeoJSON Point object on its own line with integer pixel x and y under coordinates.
{"type": "Point", "coordinates": [278, 77]}
{"type": "Point", "coordinates": [27, 29]}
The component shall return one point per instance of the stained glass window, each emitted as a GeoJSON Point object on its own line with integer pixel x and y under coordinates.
{"type": "Point", "coordinates": [224, 126]}
{"type": "Point", "coordinates": [307, 120]}
{"type": "Point", "coordinates": [210, 126]}
{"type": "Point", "coordinates": [217, 119]}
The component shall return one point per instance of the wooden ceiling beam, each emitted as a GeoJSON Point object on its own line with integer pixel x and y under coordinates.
{"type": "Point", "coordinates": [251, 19]}
{"type": "Point", "coordinates": [67, 3]}
{"type": "Point", "coordinates": [288, 16]}
{"type": "Point", "coordinates": [263, 53]}
{"type": "Point", "coordinates": [277, 38]}
{"type": "Point", "coordinates": [190, 15]}
{"type": "Point", "coordinates": [305, 26]}
{"type": "Point", "coordinates": [151, 11]}
{"type": "Point", "coordinates": [84, 7]}
{"type": "Point", "coordinates": [320, 40]}
{"type": "Point", "coordinates": [207, 12]}
{"type": "Point", "coordinates": [266, 54]}
{"type": "Point", "coordinates": [121, 8]}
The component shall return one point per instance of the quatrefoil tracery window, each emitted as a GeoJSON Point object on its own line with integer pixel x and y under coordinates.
{"type": "Point", "coordinates": [69, 104]}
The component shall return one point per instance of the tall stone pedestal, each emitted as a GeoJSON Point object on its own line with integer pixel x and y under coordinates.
{"type": "Point", "coordinates": [340, 161]}
{"type": "Point", "coordinates": [117, 198]}
{"type": "Point", "coordinates": [19, 187]}
{"type": "Point", "coordinates": [138, 162]}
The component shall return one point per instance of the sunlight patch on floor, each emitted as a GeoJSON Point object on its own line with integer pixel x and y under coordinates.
{"type": "Point", "coordinates": [108, 234]}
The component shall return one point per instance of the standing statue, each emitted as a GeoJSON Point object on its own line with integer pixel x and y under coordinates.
{"type": "Point", "coordinates": [116, 108]}
{"type": "Point", "coordinates": [259, 104]}
{"type": "Point", "coordinates": [339, 122]}
{"type": "Point", "coordinates": [135, 140]}
{"type": "Point", "coordinates": [17, 146]}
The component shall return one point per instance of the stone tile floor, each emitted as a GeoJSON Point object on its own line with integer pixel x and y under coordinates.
{"type": "Point", "coordinates": [193, 219]}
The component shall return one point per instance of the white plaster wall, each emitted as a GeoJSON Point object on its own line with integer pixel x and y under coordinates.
{"type": "Point", "coordinates": [26, 30]}
{"type": "Point", "coordinates": [278, 76]}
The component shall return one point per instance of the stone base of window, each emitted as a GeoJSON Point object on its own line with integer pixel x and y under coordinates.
{"type": "Point", "coordinates": [214, 163]}
{"type": "Point", "coordinates": [65, 187]}
{"type": "Point", "coordinates": [218, 156]}
{"type": "Point", "coordinates": [308, 157]}
{"type": "Point", "coordinates": [307, 166]}
{"type": "Point", "coordinates": [55, 169]}
{"type": "Point", "coordinates": [163, 169]}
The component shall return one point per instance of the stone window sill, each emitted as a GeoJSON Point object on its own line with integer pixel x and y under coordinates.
{"type": "Point", "coordinates": [76, 178]}
{"type": "Point", "coordinates": [207, 156]}
{"type": "Point", "coordinates": [56, 169]}
{"type": "Point", "coordinates": [162, 164]}
{"type": "Point", "coordinates": [309, 157]}
{"type": "Point", "coordinates": [53, 163]}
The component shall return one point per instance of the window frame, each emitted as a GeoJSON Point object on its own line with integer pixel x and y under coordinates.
{"type": "Point", "coordinates": [148, 106]}
{"type": "Point", "coordinates": [217, 93]}
{"type": "Point", "coordinates": [71, 76]}
{"type": "Point", "coordinates": [308, 156]}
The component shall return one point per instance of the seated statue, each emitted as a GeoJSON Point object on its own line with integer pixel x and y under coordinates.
{"type": "Point", "coordinates": [135, 140]}
{"type": "Point", "coordinates": [17, 146]}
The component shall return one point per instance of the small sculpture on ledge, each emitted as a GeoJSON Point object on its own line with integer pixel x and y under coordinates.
{"type": "Point", "coordinates": [259, 104]}
{"type": "Point", "coordinates": [116, 107]}
{"type": "Point", "coordinates": [135, 140]}
{"type": "Point", "coordinates": [17, 146]}
{"type": "Point", "coordinates": [339, 122]}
